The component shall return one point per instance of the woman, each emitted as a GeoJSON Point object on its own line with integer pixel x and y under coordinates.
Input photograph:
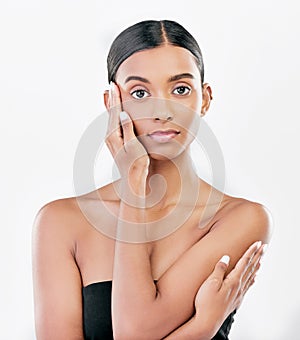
{"type": "Point", "coordinates": [153, 279]}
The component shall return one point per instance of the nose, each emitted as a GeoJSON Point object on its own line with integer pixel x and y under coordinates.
{"type": "Point", "coordinates": [162, 111]}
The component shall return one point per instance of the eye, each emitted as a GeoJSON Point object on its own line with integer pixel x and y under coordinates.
{"type": "Point", "coordinates": [140, 94]}
{"type": "Point", "coordinates": [182, 90]}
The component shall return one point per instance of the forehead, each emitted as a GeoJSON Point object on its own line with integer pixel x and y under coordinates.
{"type": "Point", "coordinates": [162, 62]}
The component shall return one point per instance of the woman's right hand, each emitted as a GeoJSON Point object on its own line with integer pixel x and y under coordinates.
{"type": "Point", "coordinates": [219, 295]}
{"type": "Point", "coordinates": [127, 151]}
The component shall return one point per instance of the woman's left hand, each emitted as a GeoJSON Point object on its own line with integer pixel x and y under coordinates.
{"type": "Point", "coordinates": [220, 295]}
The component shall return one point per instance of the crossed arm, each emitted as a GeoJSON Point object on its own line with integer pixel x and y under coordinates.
{"type": "Point", "coordinates": [156, 311]}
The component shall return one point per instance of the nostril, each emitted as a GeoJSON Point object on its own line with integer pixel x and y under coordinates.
{"type": "Point", "coordinates": [168, 118]}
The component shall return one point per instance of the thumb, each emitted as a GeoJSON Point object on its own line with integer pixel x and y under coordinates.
{"type": "Point", "coordinates": [220, 269]}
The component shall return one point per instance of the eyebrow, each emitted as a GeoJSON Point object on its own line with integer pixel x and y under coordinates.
{"type": "Point", "coordinates": [172, 78]}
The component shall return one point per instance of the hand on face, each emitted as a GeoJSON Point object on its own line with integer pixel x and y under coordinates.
{"type": "Point", "coordinates": [129, 154]}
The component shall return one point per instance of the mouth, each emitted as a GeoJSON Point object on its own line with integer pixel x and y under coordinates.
{"type": "Point", "coordinates": [163, 136]}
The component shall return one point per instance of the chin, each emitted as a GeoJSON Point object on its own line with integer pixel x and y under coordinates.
{"type": "Point", "coordinates": [165, 154]}
{"type": "Point", "coordinates": [160, 157]}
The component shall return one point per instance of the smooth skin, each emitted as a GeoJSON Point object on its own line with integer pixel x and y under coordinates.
{"type": "Point", "coordinates": [68, 252]}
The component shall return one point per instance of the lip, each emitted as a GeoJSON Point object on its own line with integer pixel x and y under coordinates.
{"type": "Point", "coordinates": [163, 136]}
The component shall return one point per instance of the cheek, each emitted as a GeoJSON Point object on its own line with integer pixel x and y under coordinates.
{"type": "Point", "coordinates": [195, 103]}
{"type": "Point", "coordinates": [138, 128]}
{"type": "Point", "coordinates": [140, 111]}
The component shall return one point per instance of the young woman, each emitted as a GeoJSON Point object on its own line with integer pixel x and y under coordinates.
{"type": "Point", "coordinates": [158, 276]}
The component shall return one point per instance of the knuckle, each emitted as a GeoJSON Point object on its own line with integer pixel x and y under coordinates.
{"type": "Point", "coordinates": [251, 268]}
{"type": "Point", "coordinates": [214, 281]}
{"type": "Point", "coordinates": [141, 161]}
{"type": "Point", "coordinates": [236, 284]}
{"type": "Point", "coordinates": [112, 135]}
{"type": "Point", "coordinates": [109, 141]}
{"type": "Point", "coordinates": [222, 266]}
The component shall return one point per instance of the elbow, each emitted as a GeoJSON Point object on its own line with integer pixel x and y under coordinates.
{"type": "Point", "coordinates": [143, 325]}
{"type": "Point", "coordinates": [133, 330]}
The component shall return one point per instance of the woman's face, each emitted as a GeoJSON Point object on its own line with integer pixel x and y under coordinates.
{"type": "Point", "coordinates": [161, 90]}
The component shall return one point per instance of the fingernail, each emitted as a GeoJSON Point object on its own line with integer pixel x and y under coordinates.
{"type": "Point", "coordinates": [124, 116]}
{"type": "Point", "coordinates": [258, 244]}
{"type": "Point", "coordinates": [225, 259]}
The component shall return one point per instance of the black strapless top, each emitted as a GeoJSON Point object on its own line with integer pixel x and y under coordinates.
{"type": "Point", "coordinates": [97, 323]}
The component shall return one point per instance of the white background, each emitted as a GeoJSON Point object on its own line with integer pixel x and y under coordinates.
{"type": "Point", "coordinates": [52, 75]}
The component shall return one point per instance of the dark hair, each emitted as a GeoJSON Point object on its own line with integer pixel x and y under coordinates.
{"type": "Point", "coordinates": [150, 34]}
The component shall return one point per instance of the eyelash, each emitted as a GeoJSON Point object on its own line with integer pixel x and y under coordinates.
{"type": "Point", "coordinates": [185, 87]}
{"type": "Point", "coordinates": [139, 90]}
{"type": "Point", "coordinates": [178, 87]}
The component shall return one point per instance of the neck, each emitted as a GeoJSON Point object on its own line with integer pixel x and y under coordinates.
{"type": "Point", "coordinates": [171, 180]}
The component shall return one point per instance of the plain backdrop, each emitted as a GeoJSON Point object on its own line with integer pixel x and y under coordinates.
{"type": "Point", "coordinates": [52, 76]}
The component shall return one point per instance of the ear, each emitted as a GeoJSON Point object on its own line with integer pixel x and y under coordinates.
{"type": "Point", "coordinates": [106, 99]}
{"type": "Point", "coordinates": [206, 98]}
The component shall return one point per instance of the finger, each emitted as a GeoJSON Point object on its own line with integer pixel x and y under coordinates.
{"type": "Point", "coordinates": [250, 278]}
{"type": "Point", "coordinates": [253, 269]}
{"type": "Point", "coordinates": [127, 126]}
{"type": "Point", "coordinates": [114, 110]}
{"type": "Point", "coordinates": [250, 282]}
{"type": "Point", "coordinates": [241, 292]}
{"type": "Point", "coordinates": [244, 262]}
{"type": "Point", "coordinates": [217, 276]}
{"type": "Point", "coordinates": [254, 262]}
{"type": "Point", "coordinates": [114, 139]}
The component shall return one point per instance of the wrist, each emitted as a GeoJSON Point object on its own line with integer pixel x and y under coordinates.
{"type": "Point", "coordinates": [133, 189]}
{"type": "Point", "coordinates": [200, 331]}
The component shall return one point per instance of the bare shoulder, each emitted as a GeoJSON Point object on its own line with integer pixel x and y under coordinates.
{"type": "Point", "coordinates": [244, 216]}
{"type": "Point", "coordinates": [58, 206]}
{"type": "Point", "coordinates": [70, 210]}
{"type": "Point", "coordinates": [57, 210]}
{"type": "Point", "coordinates": [57, 220]}
{"type": "Point", "coordinates": [69, 213]}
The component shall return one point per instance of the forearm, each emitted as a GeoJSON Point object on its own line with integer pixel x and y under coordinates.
{"type": "Point", "coordinates": [190, 330]}
{"type": "Point", "coordinates": [133, 290]}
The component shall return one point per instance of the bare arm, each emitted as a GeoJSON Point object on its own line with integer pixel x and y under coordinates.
{"type": "Point", "coordinates": [154, 314]}
{"type": "Point", "coordinates": [220, 295]}
{"type": "Point", "coordinates": [56, 278]}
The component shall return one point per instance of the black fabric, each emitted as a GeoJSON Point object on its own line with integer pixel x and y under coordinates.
{"type": "Point", "coordinates": [97, 323]}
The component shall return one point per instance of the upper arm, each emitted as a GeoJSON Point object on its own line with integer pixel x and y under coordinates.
{"type": "Point", "coordinates": [56, 278]}
{"type": "Point", "coordinates": [232, 235]}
